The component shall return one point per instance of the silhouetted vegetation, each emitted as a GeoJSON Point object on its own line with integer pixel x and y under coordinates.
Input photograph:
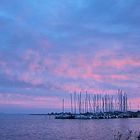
{"type": "Point", "coordinates": [128, 135]}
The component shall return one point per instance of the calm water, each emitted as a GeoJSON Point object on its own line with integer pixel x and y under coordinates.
{"type": "Point", "coordinates": [26, 127]}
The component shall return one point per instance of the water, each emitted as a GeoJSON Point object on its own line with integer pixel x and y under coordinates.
{"type": "Point", "coordinates": [30, 127]}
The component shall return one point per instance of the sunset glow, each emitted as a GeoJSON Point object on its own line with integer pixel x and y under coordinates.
{"type": "Point", "coordinates": [51, 48]}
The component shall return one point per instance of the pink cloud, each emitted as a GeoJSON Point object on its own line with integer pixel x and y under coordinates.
{"type": "Point", "coordinates": [77, 66]}
{"type": "Point", "coordinates": [30, 101]}
{"type": "Point", "coordinates": [122, 63]}
{"type": "Point", "coordinates": [134, 103]}
{"type": "Point", "coordinates": [2, 63]}
{"type": "Point", "coordinates": [117, 77]}
{"type": "Point", "coordinates": [5, 69]}
{"type": "Point", "coordinates": [38, 68]}
{"type": "Point", "coordinates": [30, 54]}
{"type": "Point", "coordinates": [69, 87]}
{"type": "Point", "coordinates": [84, 70]}
{"type": "Point", "coordinates": [30, 78]}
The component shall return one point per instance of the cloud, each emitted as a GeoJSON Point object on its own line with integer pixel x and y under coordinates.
{"type": "Point", "coordinates": [30, 101]}
{"type": "Point", "coordinates": [69, 46]}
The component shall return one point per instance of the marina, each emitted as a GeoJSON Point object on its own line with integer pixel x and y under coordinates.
{"type": "Point", "coordinates": [98, 106]}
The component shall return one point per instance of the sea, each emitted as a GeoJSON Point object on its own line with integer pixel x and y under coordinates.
{"type": "Point", "coordinates": [43, 127]}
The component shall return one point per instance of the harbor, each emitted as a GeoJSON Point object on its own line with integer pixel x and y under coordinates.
{"type": "Point", "coordinates": [105, 115]}
{"type": "Point", "coordinates": [98, 106]}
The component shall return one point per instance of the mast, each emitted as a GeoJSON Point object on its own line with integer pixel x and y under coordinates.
{"type": "Point", "coordinates": [63, 105]}
{"type": "Point", "coordinates": [90, 109]}
{"type": "Point", "coordinates": [74, 102]}
{"type": "Point", "coordinates": [80, 103]}
{"type": "Point", "coordinates": [86, 103]}
{"type": "Point", "coordinates": [71, 104]}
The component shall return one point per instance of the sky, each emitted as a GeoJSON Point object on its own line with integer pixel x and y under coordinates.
{"type": "Point", "coordinates": [51, 48]}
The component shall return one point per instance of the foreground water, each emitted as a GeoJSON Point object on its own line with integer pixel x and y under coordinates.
{"type": "Point", "coordinates": [30, 127]}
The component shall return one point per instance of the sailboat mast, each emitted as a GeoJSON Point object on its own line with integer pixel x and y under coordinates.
{"type": "Point", "coordinates": [63, 105]}
{"type": "Point", "coordinates": [71, 104]}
